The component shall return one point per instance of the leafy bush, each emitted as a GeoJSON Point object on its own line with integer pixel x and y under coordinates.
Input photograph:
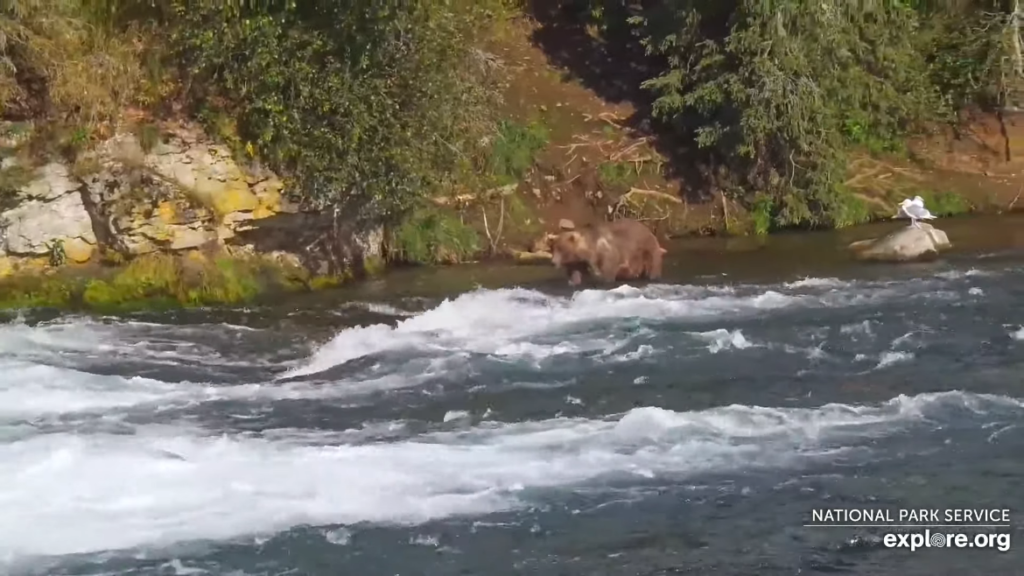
{"type": "Point", "coordinates": [764, 97]}
{"type": "Point", "coordinates": [366, 106]}
{"type": "Point", "coordinates": [779, 93]}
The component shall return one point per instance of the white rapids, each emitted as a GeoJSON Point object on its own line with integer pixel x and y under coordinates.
{"type": "Point", "coordinates": [91, 461]}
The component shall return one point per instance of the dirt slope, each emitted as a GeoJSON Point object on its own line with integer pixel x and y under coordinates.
{"type": "Point", "coordinates": [600, 157]}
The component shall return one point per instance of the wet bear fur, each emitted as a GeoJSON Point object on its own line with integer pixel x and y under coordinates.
{"type": "Point", "coordinates": [608, 252]}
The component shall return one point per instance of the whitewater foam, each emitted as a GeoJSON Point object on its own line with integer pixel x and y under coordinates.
{"type": "Point", "coordinates": [36, 389]}
{"type": "Point", "coordinates": [376, 308]}
{"type": "Point", "coordinates": [166, 484]}
{"type": "Point", "coordinates": [809, 282]}
{"type": "Point", "coordinates": [509, 322]}
{"type": "Point", "coordinates": [722, 339]}
{"type": "Point", "coordinates": [893, 357]}
{"type": "Point", "coordinates": [32, 391]}
{"type": "Point", "coordinates": [72, 341]}
{"type": "Point", "coordinates": [86, 490]}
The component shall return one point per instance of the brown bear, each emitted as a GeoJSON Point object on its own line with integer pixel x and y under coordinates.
{"type": "Point", "coordinates": [609, 252]}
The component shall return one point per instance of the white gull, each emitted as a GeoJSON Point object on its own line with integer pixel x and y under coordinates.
{"type": "Point", "coordinates": [915, 210]}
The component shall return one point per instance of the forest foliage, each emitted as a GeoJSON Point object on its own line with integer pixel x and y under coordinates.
{"type": "Point", "coordinates": [364, 106]}
{"type": "Point", "coordinates": [775, 94]}
{"type": "Point", "coordinates": [367, 107]}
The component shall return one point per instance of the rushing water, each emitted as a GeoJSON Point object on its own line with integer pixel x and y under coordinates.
{"type": "Point", "coordinates": [408, 428]}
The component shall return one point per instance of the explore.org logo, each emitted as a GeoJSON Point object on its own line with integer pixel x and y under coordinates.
{"type": "Point", "coordinates": [929, 539]}
{"type": "Point", "coordinates": [917, 528]}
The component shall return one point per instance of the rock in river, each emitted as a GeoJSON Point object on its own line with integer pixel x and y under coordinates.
{"type": "Point", "coordinates": [902, 245]}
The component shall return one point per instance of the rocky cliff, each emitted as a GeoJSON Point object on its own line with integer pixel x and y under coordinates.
{"type": "Point", "coordinates": [183, 193]}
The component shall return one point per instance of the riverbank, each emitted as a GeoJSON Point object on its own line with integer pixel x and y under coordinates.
{"type": "Point", "coordinates": [604, 153]}
{"type": "Point", "coordinates": [575, 139]}
{"type": "Point", "coordinates": [780, 257]}
{"type": "Point", "coordinates": [207, 244]}
{"type": "Point", "coordinates": [159, 283]}
{"type": "Point", "coordinates": [584, 148]}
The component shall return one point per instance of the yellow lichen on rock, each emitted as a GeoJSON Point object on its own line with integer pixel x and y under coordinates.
{"type": "Point", "coordinates": [205, 171]}
{"type": "Point", "coordinates": [224, 197]}
{"type": "Point", "coordinates": [78, 251]}
{"type": "Point", "coordinates": [176, 222]}
{"type": "Point", "coordinates": [196, 256]}
{"type": "Point", "coordinates": [166, 212]}
{"type": "Point", "coordinates": [15, 265]}
{"type": "Point", "coordinates": [269, 202]}
{"type": "Point", "coordinates": [153, 228]}
{"type": "Point", "coordinates": [35, 265]}
{"type": "Point", "coordinates": [6, 266]}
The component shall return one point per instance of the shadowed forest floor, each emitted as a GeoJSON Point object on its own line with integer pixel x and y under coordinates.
{"type": "Point", "coordinates": [601, 143]}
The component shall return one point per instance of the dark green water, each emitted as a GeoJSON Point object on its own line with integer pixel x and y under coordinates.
{"type": "Point", "coordinates": [488, 420]}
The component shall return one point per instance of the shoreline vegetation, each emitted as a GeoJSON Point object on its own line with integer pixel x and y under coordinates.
{"type": "Point", "coordinates": [162, 281]}
{"type": "Point", "coordinates": [466, 129]}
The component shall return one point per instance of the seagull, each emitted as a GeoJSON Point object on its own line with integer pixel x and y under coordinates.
{"type": "Point", "coordinates": [915, 210]}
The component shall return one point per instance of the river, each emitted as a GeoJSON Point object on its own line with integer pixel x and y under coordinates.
{"type": "Point", "coordinates": [487, 420]}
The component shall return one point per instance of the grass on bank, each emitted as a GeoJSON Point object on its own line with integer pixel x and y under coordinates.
{"type": "Point", "coordinates": [159, 281]}
{"type": "Point", "coordinates": [69, 71]}
{"type": "Point", "coordinates": [945, 203]}
{"type": "Point", "coordinates": [514, 150]}
{"type": "Point", "coordinates": [434, 235]}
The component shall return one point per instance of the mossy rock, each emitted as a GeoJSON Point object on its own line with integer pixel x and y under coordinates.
{"type": "Point", "coordinates": [192, 280]}
{"type": "Point", "coordinates": [160, 281]}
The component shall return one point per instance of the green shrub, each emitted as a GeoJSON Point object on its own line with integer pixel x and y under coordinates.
{"type": "Point", "coordinates": [364, 106]}
{"type": "Point", "coordinates": [618, 175]}
{"type": "Point", "coordinates": [434, 236]}
{"type": "Point", "coordinates": [776, 95]}
{"type": "Point", "coordinates": [514, 150]}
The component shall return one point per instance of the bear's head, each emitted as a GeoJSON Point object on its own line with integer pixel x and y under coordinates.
{"type": "Point", "coordinates": [570, 247]}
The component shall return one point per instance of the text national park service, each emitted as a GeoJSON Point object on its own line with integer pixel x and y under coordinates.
{"type": "Point", "coordinates": [994, 516]}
